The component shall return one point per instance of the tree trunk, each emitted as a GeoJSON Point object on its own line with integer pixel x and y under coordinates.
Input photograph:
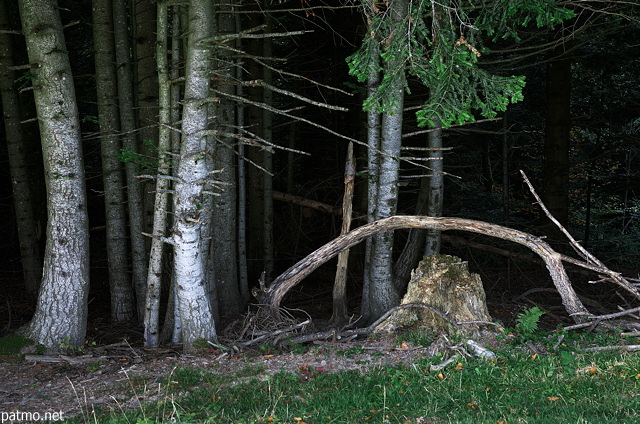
{"type": "Point", "coordinates": [17, 152]}
{"type": "Point", "coordinates": [243, 276]}
{"type": "Point", "coordinates": [373, 168]}
{"type": "Point", "coordinates": [194, 179]}
{"type": "Point", "coordinates": [61, 313]}
{"type": "Point", "coordinates": [340, 310]}
{"type": "Point", "coordinates": [555, 178]}
{"type": "Point", "coordinates": [382, 294]}
{"type": "Point", "coordinates": [267, 134]}
{"type": "Point", "coordinates": [144, 48]}
{"type": "Point", "coordinates": [130, 144]}
{"type": "Point", "coordinates": [224, 251]}
{"type": "Point", "coordinates": [122, 299]}
{"type": "Point", "coordinates": [436, 188]}
{"type": "Point", "coordinates": [159, 232]}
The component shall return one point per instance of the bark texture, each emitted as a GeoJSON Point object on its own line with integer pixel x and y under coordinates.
{"type": "Point", "coordinates": [381, 292]}
{"type": "Point", "coordinates": [444, 283]}
{"type": "Point", "coordinates": [194, 178]}
{"type": "Point", "coordinates": [154, 275]}
{"type": "Point", "coordinates": [61, 314]}
{"type": "Point", "coordinates": [122, 298]}
{"type": "Point", "coordinates": [130, 143]}
{"type": "Point", "coordinates": [224, 251]}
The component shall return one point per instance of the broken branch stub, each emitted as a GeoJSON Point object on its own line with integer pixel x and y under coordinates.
{"type": "Point", "coordinates": [552, 259]}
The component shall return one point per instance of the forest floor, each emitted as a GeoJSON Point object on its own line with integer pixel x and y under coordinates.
{"type": "Point", "coordinates": [120, 376]}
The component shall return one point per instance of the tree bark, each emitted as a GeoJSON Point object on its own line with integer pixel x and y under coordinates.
{"type": "Point", "coordinates": [552, 259]}
{"type": "Point", "coordinates": [382, 294]}
{"type": "Point", "coordinates": [17, 152]}
{"type": "Point", "coordinates": [194, 178]}
{"type": "Point", "coordinates": [146, 82]}
{"type": "Point", "coordinates": [373, 163]}
{"type": "Point", "coordinates": [122, 298]}
{"type": "Point", "coordinates": [61, 312]}
{"type": "Point", "coordinates": [130, 143]}
{"type": "Point", "coordinates": [223, 256]}
{"type": "Point", "coordinates": [340, 310]}
{"type": "Point", "coordinates": [154, 277]}
{"type": "Point", "coordinates": [435, 198]}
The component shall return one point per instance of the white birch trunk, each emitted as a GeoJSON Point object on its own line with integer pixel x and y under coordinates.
{"type": "Point", "coordinates": [373, 170]}
{"type": "Point", "coordinates": [154, 276]}
{"type": "Point", "coordinates": [61, 313]}
{"type": "Point", "coordinates": [382, 294]}
{"type": "Point", "coordinates": [122, 299]}
{"type": "Point", "coordinates": [193, 176]}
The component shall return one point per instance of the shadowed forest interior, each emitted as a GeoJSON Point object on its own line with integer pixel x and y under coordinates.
{"type": "Point", "coordinates": [213, 139]}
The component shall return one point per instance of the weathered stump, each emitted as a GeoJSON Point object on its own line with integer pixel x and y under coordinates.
{"type": "Point", "coordinates": [444, 283]}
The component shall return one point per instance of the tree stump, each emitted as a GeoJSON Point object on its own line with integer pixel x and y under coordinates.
{"type": "Point", "coordinates": [444, 283]}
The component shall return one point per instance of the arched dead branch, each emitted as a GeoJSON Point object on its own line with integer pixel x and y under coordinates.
{"type": "Point", "coordinates": [552, 259]}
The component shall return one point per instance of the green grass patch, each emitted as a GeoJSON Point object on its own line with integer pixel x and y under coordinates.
{"type": "Point", "coordinates": [564, 387]}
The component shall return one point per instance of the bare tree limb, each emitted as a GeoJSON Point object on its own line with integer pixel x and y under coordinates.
{"type": "Point", "coordinates": [552, 259]}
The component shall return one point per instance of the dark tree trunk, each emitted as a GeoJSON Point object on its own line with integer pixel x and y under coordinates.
{"type": "Point", "coordinates": [556, 146]}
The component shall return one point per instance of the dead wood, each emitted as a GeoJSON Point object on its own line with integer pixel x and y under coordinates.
{"type": "Point", "coordinates": [340, 286]}
{"type": "Point", "coordinates": [552, 259]}
{"type": "Point", "coordinates": [590, 261]}
{"type": "Point", "coordinates": [73, 360]}
{"type": "Point", "coordinates": [307, 203]}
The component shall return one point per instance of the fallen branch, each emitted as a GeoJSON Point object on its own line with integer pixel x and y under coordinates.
{"type": "Point", "coordinates": [623, 348]}
{"type": "Point", "coordinates": [615, 277]}
{"type": "Point", "coordinates": [291, 277]}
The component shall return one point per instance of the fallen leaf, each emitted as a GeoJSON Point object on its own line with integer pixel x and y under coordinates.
{"type": "Point", "coordinates": [553, 398]}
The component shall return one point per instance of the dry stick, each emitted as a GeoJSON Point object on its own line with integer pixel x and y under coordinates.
{"type": "Point", "coordinates": [300, 270]}
{"type": "Point", "coordinates": [599, 318]}
{"type": "Point", "coordinates": [338, 334]}
{"type": "Point", "coordinates": [615, 276]}
{"type": "Point", "coordinates": [340, 285]}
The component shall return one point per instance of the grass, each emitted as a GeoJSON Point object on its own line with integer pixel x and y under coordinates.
{"type": "Point", "coordinates": [561, 387]}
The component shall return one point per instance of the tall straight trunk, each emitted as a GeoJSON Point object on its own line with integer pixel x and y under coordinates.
{"type": "Point", "coordinates": [18, 166]}
{"type": "Point", "coordinates": [224, 251]}
{"type": "Point", "coordinates": [61, 312]}
{"type": "Point", "coordinates": [154, 277]}
{"type": "Point", "coordinates": [191, 188]}
{"type": "Point", "coordinates": [413, 249]}
{"type": "Point", "coordinates": [382, 294]}
{"type": "Point", "coordinates": [254, 123]}
{"type": "Point", "coordinates": [243, 277]}
{"type": "Point", "coordinates": [144, 26]}
{"type": "Point", "coordinates": [436, 188]}
{"type": "Point", "coordinates": [267, 134]}
{"type": "Point", "coordinates": [130, 143]}
{"type": "Point", "coordinates": [373, 169]}
{"type": "Point", "coordinates": [555, 178]}
{"type": "Point", "coordinates": [122, 299]}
